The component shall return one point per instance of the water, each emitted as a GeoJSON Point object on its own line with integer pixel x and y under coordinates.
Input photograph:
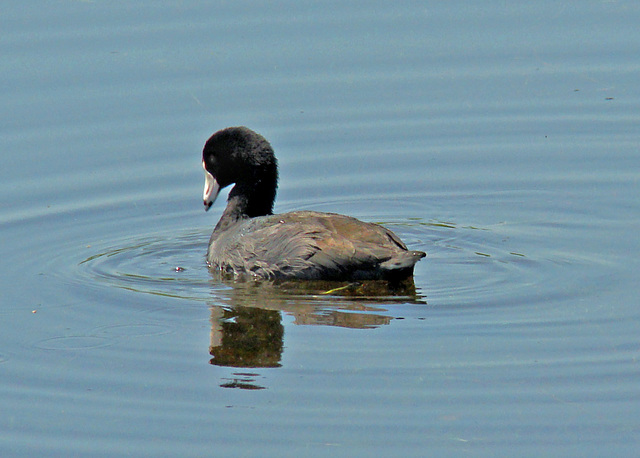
{"type": "Point", "coordinates": [501, 139]}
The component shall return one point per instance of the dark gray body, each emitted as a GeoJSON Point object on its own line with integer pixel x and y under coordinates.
{"type": "Point", "coordinates": [310, 245]}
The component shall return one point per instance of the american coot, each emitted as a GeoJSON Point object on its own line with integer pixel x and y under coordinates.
{"type": "Point", "coordinates": [250, 239]}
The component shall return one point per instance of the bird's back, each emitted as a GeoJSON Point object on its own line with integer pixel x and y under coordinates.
{"type": "Point", "coordinates": [311, 245]}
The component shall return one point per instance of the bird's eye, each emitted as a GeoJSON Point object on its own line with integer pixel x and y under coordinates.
{"type": "Point", "coordinates": [209, 164]}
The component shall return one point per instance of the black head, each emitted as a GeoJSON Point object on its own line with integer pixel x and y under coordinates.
{"type": "Point", "coordinates": [241, 156]}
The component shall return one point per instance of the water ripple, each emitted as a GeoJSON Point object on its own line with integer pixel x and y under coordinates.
{"type": "Point", "coordinates": [468, 265]}
{"type": "Point", "coordinates": [171, 265]}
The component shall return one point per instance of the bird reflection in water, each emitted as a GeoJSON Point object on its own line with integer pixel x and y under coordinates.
{"type": "Point", "coordinates": [247, 331]}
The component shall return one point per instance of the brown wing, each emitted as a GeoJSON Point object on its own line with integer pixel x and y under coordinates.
{"type": "Point", "coordinates": [315, 245]}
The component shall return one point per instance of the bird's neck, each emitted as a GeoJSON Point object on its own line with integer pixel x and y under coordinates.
{"type": "Point", "coordinates": [244, 203]}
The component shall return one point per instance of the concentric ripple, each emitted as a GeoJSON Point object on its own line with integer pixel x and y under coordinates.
{"type": "Point", "coordinates": [172, 265]}
{"type": "Point", "coordinates": [467, 265]}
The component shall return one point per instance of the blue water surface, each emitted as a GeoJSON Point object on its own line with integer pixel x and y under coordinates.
{"type": "Point", "coordinates": [501, 139]}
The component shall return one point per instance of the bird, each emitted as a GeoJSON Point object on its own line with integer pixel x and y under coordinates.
{"type": "Point", "coordinates": [250, 240]}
